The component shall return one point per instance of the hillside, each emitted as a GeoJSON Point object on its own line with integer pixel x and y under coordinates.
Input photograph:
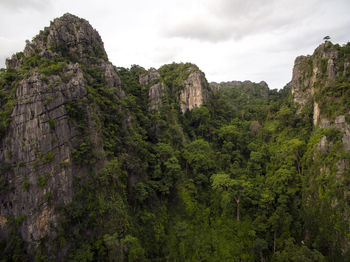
{"type": "Point", "coordinates": [105, 163]}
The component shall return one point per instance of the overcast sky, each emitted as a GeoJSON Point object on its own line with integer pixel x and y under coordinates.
{"type": "Point", "coordinates": [228, 39]}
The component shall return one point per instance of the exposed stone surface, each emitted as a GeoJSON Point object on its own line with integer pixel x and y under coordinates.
{"type": "Point", "coordinates": [325, 123]}
{"type": "Point", "coordinates": [341, 125]}
{"type": "Point", "coordinates": [156, 89]}
{"type": "Point", "coordinates": [342, 165]}
{"type": "Point", "coordinates": [156, 93]}
{"type": "Point", "coordinates": [40, 139]}
{"type": "Point", "coordinates": [41, 136]}
{"type": "Point", "coordinates": [323, 145]}
{"type": "Point", "coordinates": [310, 73]}
{"type": "Point", "coordinates": [192, 91]}
{"type": "Point", "coordinates": [70, 35]}
{"type": "Point", "coordinates": [261, 89]}
{"type": "Point", "coordinates": [195, 92]}
{"type": "Point", "coordinates": [301, 80]}
{"type": "Point", "coordinates": [151, 76]}
{"type": "Point", "coordinates": [346, 138]}
{"type": "Point", "coordinates": [316, 114]}
{"type": "Point", "coordinates": [340, 122]}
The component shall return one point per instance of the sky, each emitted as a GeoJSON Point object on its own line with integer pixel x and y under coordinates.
{"type": "Point", "coordinates": [255, 40]}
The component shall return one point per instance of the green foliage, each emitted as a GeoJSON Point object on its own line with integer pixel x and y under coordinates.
{"type": "Point", "coordinates": [48, 157]}
{"type": "Point", "coordinates": [174, 75]}
{"type": "Point", "coordinates": [84, 154]}
{"type": "Point", "coordinates": [52, 69]}
{"type": "Point", "coordinates": [240, 178]}
{"type": "Point", "coordinates": [13, 249]}
{"type": "Point", "coordinates": [26, 184]}
{"type": "Point", "coordinates": [8, 81]}
{"type": "Point", "coordinates": [323, 65]}
{"type": "Point", "coordinates": [52, 124]}
{"type": "Point", "coordinates": [42, 180]}
{"type": "Point", "coordinates": [48, 100]}
{"type": "Point", "coordinates": [295, 253]}
{"type": "Point", "coordinates": [200, 159]}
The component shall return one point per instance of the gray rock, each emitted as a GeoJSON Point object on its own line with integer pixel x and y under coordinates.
{"type": "Point", "coordinates": [41, 137]}
{"type": "Point", "coordinates": [195, 92]}
{"type": "Point", "coordinates": [307, 75]}
{"type": "Point", "coordinates": [156, 89]}
{"type": "Point", "coordinates": [340, 122]}
{"type": "Point", "coordinates": [156, 93]}
{"type": "Point", "coordinates": [323, 145]}
{"type": "Point", "coordinates": [261, 88]}
{"type": "Point", "coordinates": [325, 123]}
{"type": "Point", "coordinates": [346, 139]}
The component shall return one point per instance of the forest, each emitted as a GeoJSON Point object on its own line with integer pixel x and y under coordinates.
{"type": "Point", "coordinates": [242, 177]}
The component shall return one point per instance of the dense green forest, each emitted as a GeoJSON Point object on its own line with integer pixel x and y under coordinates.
{"type": "Point", "coordinates": [237, 179]}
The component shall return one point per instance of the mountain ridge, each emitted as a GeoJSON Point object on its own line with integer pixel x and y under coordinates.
{"type": "Point", "coordinates": [100, 163]}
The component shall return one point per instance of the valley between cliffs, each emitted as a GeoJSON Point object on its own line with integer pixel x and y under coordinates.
{"type": "Point", "coordinates": [105, 163]}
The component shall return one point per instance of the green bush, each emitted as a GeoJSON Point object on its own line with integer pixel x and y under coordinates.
{"type": "Point", "coordinates": [42, 180]}
{"type": "Point", "coordinates": [53, 69]}
{"type": "Point", "coordinates": [52, 124]}
{"type": "Point", "coordinates": [48, 157]}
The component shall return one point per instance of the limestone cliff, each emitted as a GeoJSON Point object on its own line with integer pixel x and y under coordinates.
{"type": "Point", "coordinates": [156, 88]}
{"type": "Point", "coordinates": [314, 74]}
{"type": "Point", "coordinates": [38, 150]}
{"type": "Point", "coordinates": [322, 80]}
{"type": "Point", "coordinates": [260, 89]}
{"type": "Point", "coordinates": [195, 92]}
{"type": "Point", "coordinates": [321, 83]}
{"type": "Point", "coordinates": [185, 83]}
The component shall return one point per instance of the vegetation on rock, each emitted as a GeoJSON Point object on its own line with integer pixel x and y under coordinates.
{"type": "Point", "coordinates": [245, 176]}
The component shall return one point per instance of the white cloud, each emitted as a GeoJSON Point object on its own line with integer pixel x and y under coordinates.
{"type": "Point", "coordinates": [18, 5]}
{"type": "Point", "coordinates": [228, 39]}
{"type": "Point", "coordinates": [11, 46]}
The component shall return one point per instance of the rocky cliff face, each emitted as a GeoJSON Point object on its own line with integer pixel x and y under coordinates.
{"type": "Point", "coordinates": [195, 92]}
{"type": "Point", "coordinates": [322, 80]}
{"type": "Point", "coordinates": [156, 88]}
{"type": "Point", "coordinates": [261, 89]}
{"type": "Point", "coordinates": [38, 149]}
{"type": "Point", "coordinates": [42, 134]}
{"type": "Point", "coordinates": [321, 83]}
{"type": "Point", "coordinates": [312, 74]}
{"type": "Point", "coordinates": [63, 81]}
{"type": "Point", "coordinates": [190, 88]}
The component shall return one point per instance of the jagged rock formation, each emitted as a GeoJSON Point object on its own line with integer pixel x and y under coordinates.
{"type": "Point", "coordinates": [38, 148]}
{"type": "Point", "coordinates": [312, 73]}
{"type": "Point", "coordinates": [54, 121]}
{"type": "Point", "coordinates": [195, 92]}
{"type": "Point", "coordinates": [100, 163]}
{"type": "Point", "coordinates": [156, 89]}
{"type": "Point", "coordinates": [42, 133]}
{"type": "Point", "coordinates": [261, 89]}
{"type": "Point", "coordinates": [317, 80]}
{"type": "Point", "coordinates": [190, 89]}
{"type": "Point", "coordinates": [320, 83]}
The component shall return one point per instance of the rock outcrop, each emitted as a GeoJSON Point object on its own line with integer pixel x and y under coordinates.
{"type": "Point", "coordinates": [195, 92]}
{"type": "Point", "coordinates": [191, 89]}
{"type": "Point", "coordinates": [313, 73]}
{"type": "Point", "coordinates": [316, 81]}
{"type": "Point", "coordinates": [320, 83]}
{"type": "Point", "coordinates": [38, 149]}
{"type": "Point", "coordinates": [156, 88]}
{"type": "Point", "coordinates": [260, 89]}
{"type": "Point", "coordinates": [42, 134]}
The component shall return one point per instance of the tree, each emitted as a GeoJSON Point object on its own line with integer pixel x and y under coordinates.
{"type": "Point", "coordinates": [199, 157]}
{"type": "Point", "coordinates": [236, 186]}
{"type": "Point", "coordinates": [326, 38]}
